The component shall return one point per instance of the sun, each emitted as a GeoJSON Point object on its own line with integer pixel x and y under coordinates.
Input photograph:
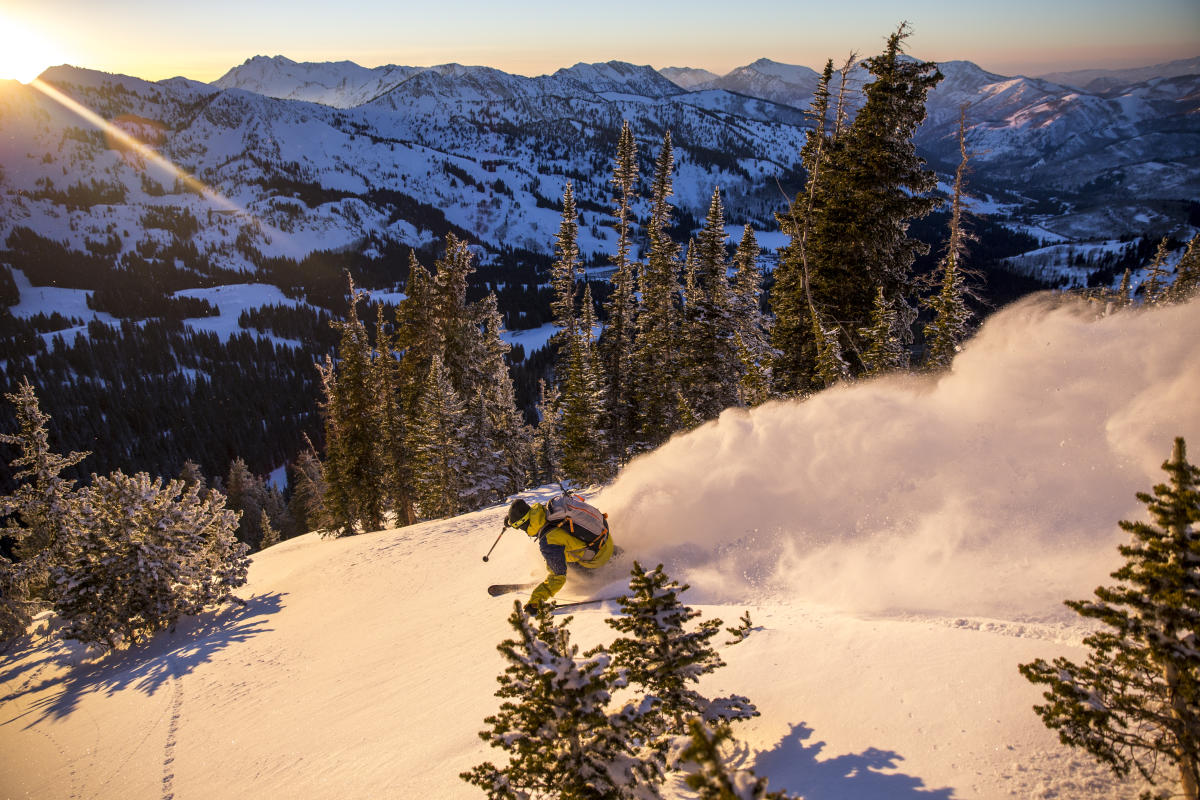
{"type": "Point", "coordinates": [24, 53]}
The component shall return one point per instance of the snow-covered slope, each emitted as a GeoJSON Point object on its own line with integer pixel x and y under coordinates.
{"type": "Point", "coordinates": [901, 546]}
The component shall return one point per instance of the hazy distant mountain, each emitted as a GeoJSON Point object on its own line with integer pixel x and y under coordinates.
{"type": "Point", "coordinates": [688, 77]}
{"type": "Point", "coordinates": [1100, 81]}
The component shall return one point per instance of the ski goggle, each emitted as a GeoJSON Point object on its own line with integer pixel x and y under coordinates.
{"type": "Point", "coordinates": [523, 523]}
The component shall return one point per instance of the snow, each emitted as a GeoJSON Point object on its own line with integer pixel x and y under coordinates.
{"type": "Point", "coordinates": [901, 546]}
{"type": "Point", "coordinates": [231, 300]}
{"type": "Point", "coordinates": [533, 339]}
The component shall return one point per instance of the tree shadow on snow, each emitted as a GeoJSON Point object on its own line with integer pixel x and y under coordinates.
{"type": "Point", "coordinates": [794, 766]}
{"type": "Point", "coordinates": [146, 667]}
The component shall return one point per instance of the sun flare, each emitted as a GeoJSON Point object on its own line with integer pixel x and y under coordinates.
{"type": "Point", "coordinates": [24, 53]}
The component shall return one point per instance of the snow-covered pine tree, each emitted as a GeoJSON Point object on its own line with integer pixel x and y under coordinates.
{"type": "Point", "coordinates": [504, 430]}
{"type": "Point", "coordinates": [564, 274]}
{"type": "Point", "coordinates": [951, 316]}
{"type": "Point", "coordinates": [440, 460]}
{"type": "Point", "coordinates": [659, 319]}
{"type": "Point", "coordinates": [393, 445]}
{"type": "Point", "coordinates": [40, 515]}
{"type": "Point", "coordinates": [146, 553]}
{"type": "Point", "coordinates": [750, 338]}
{"type": "Point", "coordinates": [40, 512]}
{"type": "Point", "coordinates": [711, 379]}
{"type": "Point", "coordinates": [665, 656]}
{"type": "Point", "coordinates": [1155, 285]}
{"type": "Point", "coordinates": [1187, 274]}
{"type": "Point", "coordinates": [795, 348]}
{"type": "Point", "coordinates": [1135, 703]}
{"type": "Point", "coordinates": [555, 725]}
{"type": "Point", "coordinates": [547, 438]}
{"type": "Point", "coordinates": [617, 342]}
{"type": "Point", "coordinates": [584, 455]}
{"type": "Point", "coordinates": [245, 493]}
{"type": "Point", "coordinates": [353, 467]}
{"type": "Point", "coordinates": [710, 772]}
{"type": "Point", "coordinates": [872, 186]}
{"type": "Point", "coordinates": [307, 503]}
{"type": "Point", "coordinates": [457, 323]}
{"type": "Point", "coordinates": [270, 536]}
{"type": "Point", "coordinates": [883, 352]}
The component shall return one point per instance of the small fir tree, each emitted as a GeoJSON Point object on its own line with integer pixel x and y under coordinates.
{"type": "Point", "coordinates": [617, 341]}
{"type": "Point", "coordinates": [564, 274]}
{"type": "Point", "coordinates": [656, 364]}
{"type": "Point", "coordinates": [270, 536]}
{"type": "Point", "coordinates": [750, 333]}
{"type": "Point", "coordinates": [439, 456]}
{"type": "Point", "coordinates": [308, 490]}
{"type": "Point", "coordinates": [547, 439]}
{"type": "Point", "coordinates": [147, 553]}
{"type": "Point", "coordinates": [710, 773]}
{"type": "Point", "coordinates": [393, 439]}
{"type": "Point", "coordinates": [951, 316]}
{"type": "Point", "coordinates": [1135, 703]}
{"type": "Point", "coordinates": [40, 513]}
{"type": "Point", "coordinates": [555, 724]}
{"type": "Point", "coordinates": [1187, 274]}
{"type": "Point", "coordinates": [884, 353]}
{"type": "Point", "coordinates": [353, 467]}
{"type": "Point", "coordinates": [710, 357]}
{"type": "Point", "coordinates": [666, 658]}
{"type": "Point", "coordinates": [1154, 287]}
{"type": "Point", "coordinates": [582, 401]}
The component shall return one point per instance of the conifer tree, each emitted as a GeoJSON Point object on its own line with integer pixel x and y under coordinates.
{"type": "Point", "coordinates": [457, 323]}
{"type": "Point", "coordinates": [392, 436]}
{"type": "Point", "coordinates": [146, 554]}
{"type": "Point", "coordinates": [872, 186]}
{"type": "Point", "coordinates": [353, 467]}
{"type": "Point", "coordinates": [795, 315]}
{"type": "Point", "coordinates": [617, 341]}
{"type": "Point", "coordinates": [659, 320]}
{"type": "Point", "coordinates": [750, 337]}
{"type": "Point", "coordinates": [246, 495]}
{"type": "Point", "coordinates": [666, 658]}
{"type": "Point", "coordinates": [883, 353]}
{"type": "Point", "coordinates": [270, 536]}
{"type": "Point", "coordinates": [439, 457]}
{"type": "Point", "coordinates": [504, 432]}
{"type": "Point", "coordinates": [564, 273]}
{"type": "Point", "coordinates": [1155, 283]}
{"type": "Point", "coordinates": [40, 515]}
{"type": "Point", "coordinates": [547, 439]}
{"type": "Point", "coordinates": [583, 450]}
{"type": "Point", "coordinates": [307, 503]}
{"type": "Point", "coordinates": [711, 375]}
{"type": "Point", "coordinates": [710, 773]}
{"type": "Point", "coordinates": [946, 333]}
{"type": "Point", "coordinates": [1135, 703]}
{"type": "Point", "coordinates": [1187, 274]}
{"type": "Point", "coordinates": [554, 723]}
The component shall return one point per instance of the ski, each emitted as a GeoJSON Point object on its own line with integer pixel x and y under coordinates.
{"type": "Point", "coordinates": [574, 603]}
{"type": "Point", "coordinates": [497, 589]}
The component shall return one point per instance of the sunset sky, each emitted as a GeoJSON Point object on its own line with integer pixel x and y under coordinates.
{"type": "Point", "coordinates": [152, 39]}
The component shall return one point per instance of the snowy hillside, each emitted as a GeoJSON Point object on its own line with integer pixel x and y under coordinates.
{"type": "Point", "coordinates": [901, 546]}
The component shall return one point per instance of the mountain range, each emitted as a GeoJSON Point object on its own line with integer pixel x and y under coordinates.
{"type": "Point", "coordinates": [332, 156]}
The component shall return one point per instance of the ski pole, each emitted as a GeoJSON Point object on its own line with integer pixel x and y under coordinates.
{"type": "Point", "coordinates": [502, 530]}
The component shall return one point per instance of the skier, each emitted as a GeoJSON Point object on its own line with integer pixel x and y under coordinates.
{"type": "Point", "coordinates": [559, 547]}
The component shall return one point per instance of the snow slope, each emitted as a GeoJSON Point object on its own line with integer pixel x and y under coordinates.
{"type": "Point", "coordinates": [901, 545]}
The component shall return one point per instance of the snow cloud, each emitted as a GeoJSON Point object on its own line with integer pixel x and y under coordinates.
{"type": "Point", "coordinates": [992, 490]}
